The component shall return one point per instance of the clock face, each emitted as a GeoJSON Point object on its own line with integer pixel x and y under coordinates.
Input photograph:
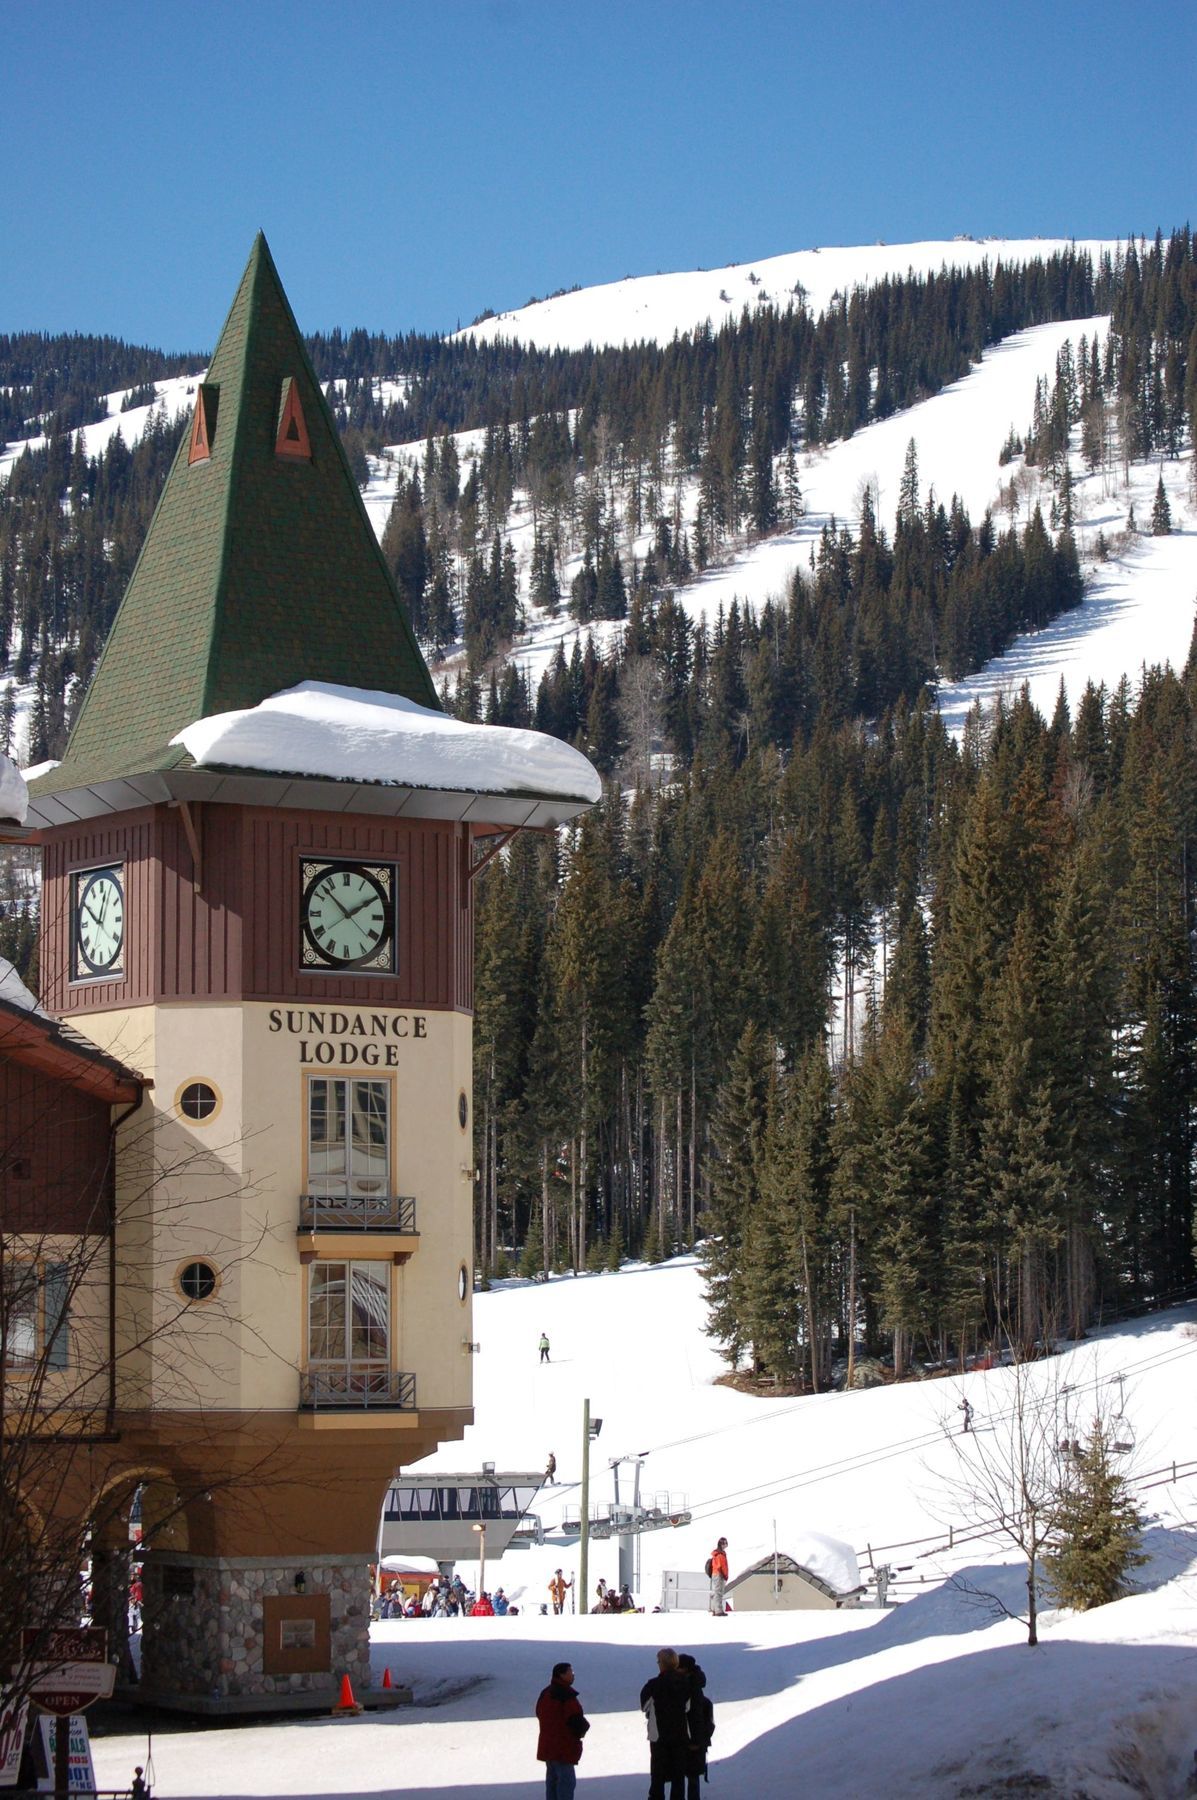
{"type": "Point", "coordinates": [99, 923]}
{"type": "Point", "coordinates": [347, 916]}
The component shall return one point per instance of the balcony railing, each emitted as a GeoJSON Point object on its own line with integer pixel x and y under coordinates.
{"type": "Point", "coordinates": [354, 1387]}
{"type": "Point", "coordinates": [357, 1212]}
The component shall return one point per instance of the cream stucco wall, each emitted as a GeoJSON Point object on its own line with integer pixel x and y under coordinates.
{"type": "Point", "coordinates": [791, 1593]}
{"type": "Point", "coordinates": [227, 1190]}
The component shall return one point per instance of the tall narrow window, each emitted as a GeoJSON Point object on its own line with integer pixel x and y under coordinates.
{"type": "Point", "coordinates": [34, 1305]}
{"type": "Point", "coordinates": [348, 1137]}
{"type": "Point", "coordinates": [349, 1313]}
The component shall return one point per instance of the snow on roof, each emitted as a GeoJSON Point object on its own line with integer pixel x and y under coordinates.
{"type": "Point", "coordinates": [13, 991]}
{"type": "Point", "coordinates": [345, 733]}
{"type": "Point", "coordinates": [14, 795]}
{"type": "Point", "coordinates": [829, 1559]}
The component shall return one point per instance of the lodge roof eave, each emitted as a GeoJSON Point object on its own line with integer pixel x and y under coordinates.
{"type": "Point", "coordinates": [56, 1049]}
{"type": "Point", "coordinates": [258, 787]}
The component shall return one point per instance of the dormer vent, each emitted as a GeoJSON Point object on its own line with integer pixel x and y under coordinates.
{"type": "Point", "coordinates": [292, 439]}
{"type": "Point", "coordinates": [203, 422]}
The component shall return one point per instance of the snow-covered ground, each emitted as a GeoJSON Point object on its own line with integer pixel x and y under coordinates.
{"type": "Point", "coordinates": [652, 308]}
{"type": "Point", "coordinates": [934, 1697]}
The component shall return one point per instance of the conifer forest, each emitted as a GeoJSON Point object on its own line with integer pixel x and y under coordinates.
{"type": "Point", "coordinates": [902, 1030]}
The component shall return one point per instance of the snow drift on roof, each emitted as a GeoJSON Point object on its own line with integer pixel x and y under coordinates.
{"type": "Point", "coordinates": [350, 734]}
{"type": "Point", "coordinates": [14, 795]}
{"type": "Point", "coordinates": [13, 991]}
{"type": "Point", "coordinates": [830, 1559]}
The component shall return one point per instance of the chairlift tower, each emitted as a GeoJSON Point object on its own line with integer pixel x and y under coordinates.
{"type": "Point", "coordinates": [627, 1520]}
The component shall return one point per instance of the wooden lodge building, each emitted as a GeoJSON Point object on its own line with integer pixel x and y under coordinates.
{"type": "Point", "coordinates": [250, 1086]}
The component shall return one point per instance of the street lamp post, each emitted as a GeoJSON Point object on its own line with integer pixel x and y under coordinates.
{"type": "Point", "coordinates": [481, 1530]}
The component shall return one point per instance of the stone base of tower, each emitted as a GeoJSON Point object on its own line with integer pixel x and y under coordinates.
{"type": "Point", "coordinates": [220, 1633]}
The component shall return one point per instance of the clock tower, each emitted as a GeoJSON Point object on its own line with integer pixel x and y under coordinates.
{"type": "Point", "coordinates": [258, 854]}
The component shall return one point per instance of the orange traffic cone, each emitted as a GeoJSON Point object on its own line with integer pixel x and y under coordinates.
{"type": "Point", "coordinates": [386, 1679]}
{"type": "Point", "coordinates": [347, 1703]}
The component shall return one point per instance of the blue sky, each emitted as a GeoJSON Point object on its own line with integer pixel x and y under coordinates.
{"type": "Point", "coordinates": [412, 163]}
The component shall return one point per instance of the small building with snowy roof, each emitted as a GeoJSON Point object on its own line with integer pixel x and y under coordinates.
{"type": "Point", "coordinates": [820, 1574]}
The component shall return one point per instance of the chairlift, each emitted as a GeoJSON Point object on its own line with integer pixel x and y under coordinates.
{"type": "Point", "coordinates": [1122, 1435]}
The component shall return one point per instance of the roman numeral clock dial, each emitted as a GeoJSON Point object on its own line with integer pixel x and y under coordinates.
{"type": "Point", "coordinates": [347, 916]}
{"type": "Point", "coordinates": [99, 946]}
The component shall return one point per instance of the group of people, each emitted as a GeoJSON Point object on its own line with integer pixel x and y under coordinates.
{"type": "Point", "coordinates": [614, 1600]}
{"type": "Point", "coordinates": [445, 1600]}
{"type": "Point", "coordinates": [677, 1712]}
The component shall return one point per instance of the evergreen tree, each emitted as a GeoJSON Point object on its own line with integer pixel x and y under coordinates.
{"type": "Point", "coordinates": [1097, 1529]}
{"type": "Point", "coordinates": [730, 1220]}
{"type": "Point", "coordinates": [1161, 512]}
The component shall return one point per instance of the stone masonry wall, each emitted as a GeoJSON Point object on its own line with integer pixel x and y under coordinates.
{"type": "Point", "coordinates": [209, 1642]}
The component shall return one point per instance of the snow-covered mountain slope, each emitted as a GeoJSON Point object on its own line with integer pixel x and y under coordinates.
{"type": "Point", "coordinates": [871, 1467]}
{"type": "Point", "coordinates": [1139, 602]}
{"type": "Point", "coordinates": [654, 307]}
{"type": "Point", "coordinates": [937, 1697]}
{"type": "Point", "coordinates": [174, 395]}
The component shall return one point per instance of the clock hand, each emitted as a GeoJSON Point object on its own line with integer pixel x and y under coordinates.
{"type": "Point", "coordinates": [361, 903]}
{"type": "Point", "coordinates": [331, 896]}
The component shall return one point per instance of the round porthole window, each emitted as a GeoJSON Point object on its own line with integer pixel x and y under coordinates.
{"type": "Point", "coordinates": [197, 1101]}
{"type": "Point", "coordinates": [197, 1281]}
{"type": "Point", "coordinates": [463, 1283]}
{"type": "Point", "coordinates": [463, 1110]}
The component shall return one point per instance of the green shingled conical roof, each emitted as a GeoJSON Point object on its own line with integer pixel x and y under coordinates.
{"type": "Point", "coordinates": [259, 570]}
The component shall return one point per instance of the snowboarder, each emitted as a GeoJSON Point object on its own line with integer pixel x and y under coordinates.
{"type": "Point", "coordinates": [665, 1703]}
{"type": "Point", "coordinates": [550, 1469]}
{"type": "Point", "coordinates": [966, 1408]}
{"type": "Point", "coordinates": [717, 1572]}
{"type": "Point", "coordinates": [563, 1725]}
{"type": "Point", "coordinates": [702, 1726]}
{"type": "Point", "coordinates": [544, 1348]}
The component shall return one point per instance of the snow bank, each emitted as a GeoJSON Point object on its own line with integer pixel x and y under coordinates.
{"type": "Point", "coordinates": [350, 734]}
{"type": "Point", "coordinates": [14, 795]}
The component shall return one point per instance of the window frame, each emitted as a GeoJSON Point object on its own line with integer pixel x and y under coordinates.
{"type": "Point", "coordinates": [51, 1345]}
{"type": "Point", "coordinates": [347, 1191]}
{"type": "Point", "coordinates": [319, 1276]}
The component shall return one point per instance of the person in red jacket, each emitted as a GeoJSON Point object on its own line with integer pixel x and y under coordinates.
{"type": "Point", "coordinates": [482, 1608]}
{"type": "Point", "coordinates": [563, 1725]}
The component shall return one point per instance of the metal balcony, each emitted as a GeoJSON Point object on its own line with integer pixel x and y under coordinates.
{"type": "Point", "coordinates": [355, 1387]}
{"type": "Point", "coordinates": [358, 1212]}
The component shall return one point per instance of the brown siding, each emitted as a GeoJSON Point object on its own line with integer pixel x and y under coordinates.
{"type": "Point", "coordinates": [237, 937]}
{"type": "Point", "coordinates": [55, 1168]}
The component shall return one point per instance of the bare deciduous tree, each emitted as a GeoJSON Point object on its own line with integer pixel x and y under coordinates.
{"type": "Point", "coordinates": [1016, 1466]}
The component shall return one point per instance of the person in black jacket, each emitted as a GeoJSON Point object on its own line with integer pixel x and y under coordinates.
{"type": "Point", "coordinates": [665, 1703]}
{"type": "Point", "coordinates": [701, 1725]}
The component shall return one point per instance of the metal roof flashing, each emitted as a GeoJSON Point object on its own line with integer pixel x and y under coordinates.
{"type": "Point", "coordinates": [251, 787]}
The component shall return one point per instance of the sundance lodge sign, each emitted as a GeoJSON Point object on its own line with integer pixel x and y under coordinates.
{"type": "Point", "coordinates": [368, 1040]}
